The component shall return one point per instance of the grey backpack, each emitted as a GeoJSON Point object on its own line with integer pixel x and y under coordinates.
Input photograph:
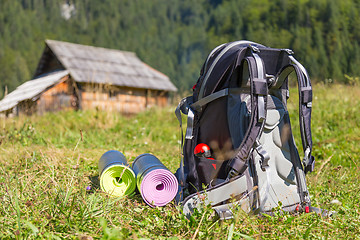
{"type": "Point", "coordinates": [238, 146]}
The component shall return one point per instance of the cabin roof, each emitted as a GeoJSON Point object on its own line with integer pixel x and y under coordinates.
{"type": "Point", "coordinates": [31, 89]}
{"type": "Point", "coordinates": [90, 64]}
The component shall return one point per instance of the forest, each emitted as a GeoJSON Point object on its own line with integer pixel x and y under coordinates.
{"type": "Point", "coordinates": [175, 36]}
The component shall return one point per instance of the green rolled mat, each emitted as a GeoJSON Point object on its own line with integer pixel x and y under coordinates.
{"type": "Point", "coordinates": [116, 176]}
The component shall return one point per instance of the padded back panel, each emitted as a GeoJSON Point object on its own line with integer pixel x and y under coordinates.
{"type": "Point", "coordinates": [278, 182]}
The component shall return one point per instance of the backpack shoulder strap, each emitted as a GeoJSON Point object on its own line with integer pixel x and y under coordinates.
{"type": "Point", "coordinates": [259, 91]}
{"type": "Point", "coordinates": [305, 104]}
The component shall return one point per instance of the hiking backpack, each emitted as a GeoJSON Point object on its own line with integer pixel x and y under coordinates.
{"type": "Point", "coordinates": [238, 146]}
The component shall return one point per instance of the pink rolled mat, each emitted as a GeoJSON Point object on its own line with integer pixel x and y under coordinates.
{"type": "Point", "coordinates": [157, 185]}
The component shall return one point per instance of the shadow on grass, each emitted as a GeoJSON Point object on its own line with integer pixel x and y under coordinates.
{"type": "Point", "coordinates": [94, 184]}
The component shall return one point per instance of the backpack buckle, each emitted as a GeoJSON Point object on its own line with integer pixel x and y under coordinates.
{"type": "Point", "coordinates": [255, 49]}
{"type": "Point", "coordinates": [265, 157]}
{"type": "Point", "coordinates": [288, 51]}
{"type": "Point", "coordinates": [309, 161]}
{"type": "Point", "coordinates": [224, 214]}
{"type": "Point", "coordinates": [270, 80]}
{"type": "Point", "coordinates": [232, 173]}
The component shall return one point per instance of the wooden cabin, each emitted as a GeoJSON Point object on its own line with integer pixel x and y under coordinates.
{"type": "Point", "coordinates": [74, 76]}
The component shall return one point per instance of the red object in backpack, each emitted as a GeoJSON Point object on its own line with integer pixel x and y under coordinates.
{"type": "Point", "coordinates": [202, 150]}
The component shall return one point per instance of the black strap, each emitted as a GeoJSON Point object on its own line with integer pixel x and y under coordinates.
{"type": "Point", "coordinates": [183, 107]}
{"type": "Point", "coordinates": [305, 104]}
{"type": "Point", "coordinates": [259, 91]}
{"type": "Point", "coordinates": [198, 105]}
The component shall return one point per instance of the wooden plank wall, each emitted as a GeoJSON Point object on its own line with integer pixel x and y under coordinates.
{"type": "Point", "coordinates": [26, 107]}
{"type": "Point", "coordinates": [59, 97]}
{"type": "Point", "coordinates": [124, 100]}
{"type": "Point", "coordinates": [156, 98]}
{"type": "Point", "coordinates": [63, 96]}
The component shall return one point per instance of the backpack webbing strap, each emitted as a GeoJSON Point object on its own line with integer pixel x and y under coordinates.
{"type": "Point", "coordinates": [298, 168]}
{"type": "Point", "coordinates": [235, 188]}
{"type": "Point", "coordinates": [259, 91]}
{"type": "Point", "coordinates": [305, 104]}
{"type": "Point", "coordinates": [199, 105]}
{"type": "Point", "coordinates": [183, 107]}
{"type": "Point", "coordinates": [190, 124]}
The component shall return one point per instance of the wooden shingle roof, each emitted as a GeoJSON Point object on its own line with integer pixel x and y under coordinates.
{"type": "Point", "coordinates": [31, 90]}
{"type": "Point", "coordinates": [90, 64]}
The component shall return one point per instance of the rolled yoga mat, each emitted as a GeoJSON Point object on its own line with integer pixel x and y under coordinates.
{"type": "Point", "coordinates": [116, 176]}
{"type": "Point", "coordinates": [157, 185]}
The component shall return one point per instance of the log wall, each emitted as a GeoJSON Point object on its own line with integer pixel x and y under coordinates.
{"type": "Point", "coordinates": [124, 100]}
{"type": "Point", "coordinates": [59, 97]}
{"type": "Point", "coordinates": [66, 95]}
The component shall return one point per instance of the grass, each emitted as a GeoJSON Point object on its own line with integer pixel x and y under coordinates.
{"type": "Point", "coordinates": [47, 162]}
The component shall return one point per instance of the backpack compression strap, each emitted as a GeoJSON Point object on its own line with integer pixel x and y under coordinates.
{"type": "Point", "coordinates": [259, 91]}
{"type": "Point", "coordinates": [305, 104]}
{"type": "Point", "coordinates": [184, 107]}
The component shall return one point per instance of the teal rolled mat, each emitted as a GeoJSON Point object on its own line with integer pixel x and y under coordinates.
{"type": "Point", "coordinates": [116, 176]}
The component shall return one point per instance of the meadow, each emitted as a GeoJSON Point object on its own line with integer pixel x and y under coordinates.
{"type": "Point", "coordinates": [47, 162]}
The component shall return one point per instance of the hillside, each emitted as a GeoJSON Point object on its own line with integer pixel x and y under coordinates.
{"type": "Point", "coordinates": [175, 36]}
